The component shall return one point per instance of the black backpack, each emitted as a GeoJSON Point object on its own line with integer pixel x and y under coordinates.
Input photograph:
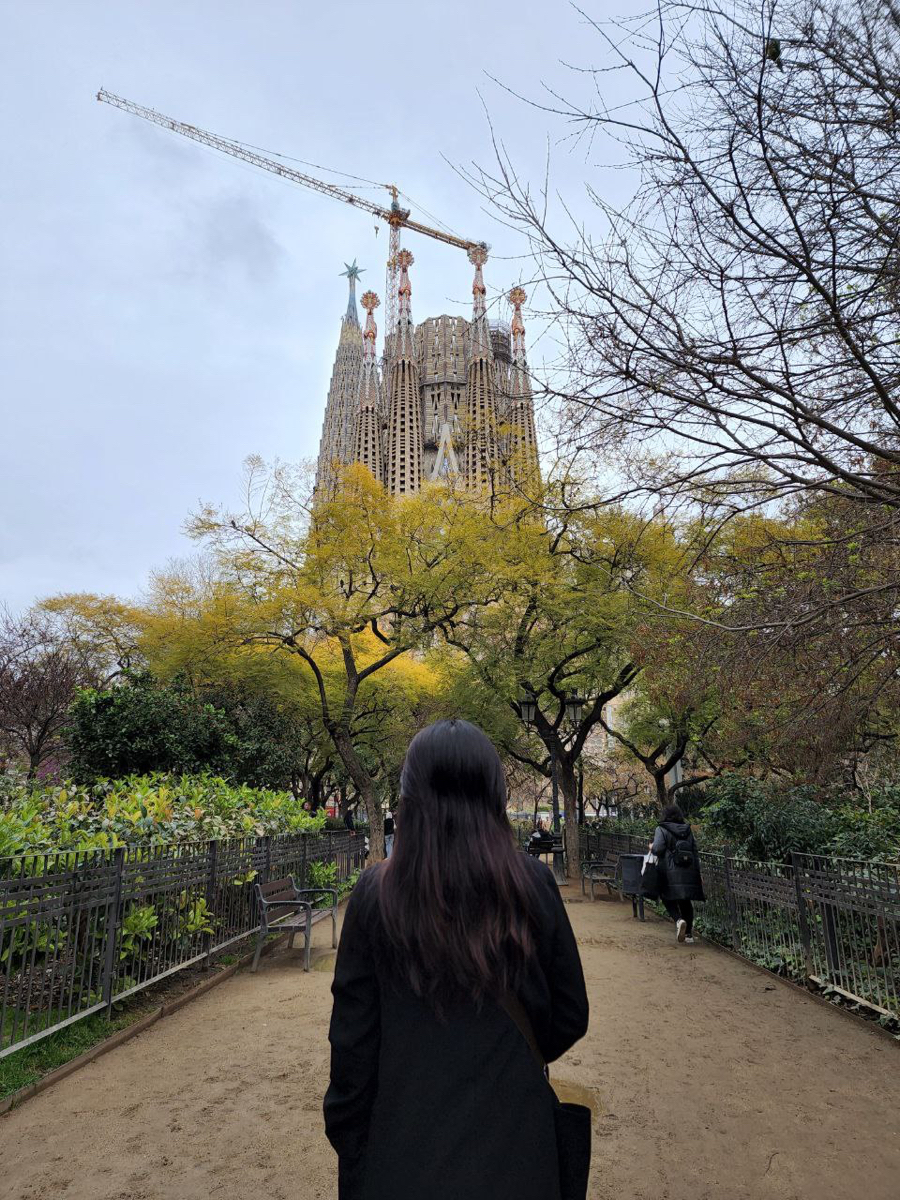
{"type": "Point", "coordinates": [683, 852]}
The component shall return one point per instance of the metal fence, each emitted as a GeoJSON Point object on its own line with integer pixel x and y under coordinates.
{"type": "Point", "coordinates": [79, 930]}
{"type": "Point", "coordinates": [831, 923]}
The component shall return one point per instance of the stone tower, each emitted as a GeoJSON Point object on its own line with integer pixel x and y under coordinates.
{"type": "Point", "coordinates": [523, 450]}
{"type": "Point", "coordinates": [453, 396]}
{"type": "Point", "coordinates": [441, 353]}
{"type": "Point", "coordinates": [403, 469]}
{"type": "Point", "coordinates": [480, 424]}
{"type": "Point", "coordinates": [367, 438]}
{"type": "Point", "coordinates": [336, 446]}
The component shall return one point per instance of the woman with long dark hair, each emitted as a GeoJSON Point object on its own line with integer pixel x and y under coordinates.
{"type": "Point", "coordinates": [435, 1093]}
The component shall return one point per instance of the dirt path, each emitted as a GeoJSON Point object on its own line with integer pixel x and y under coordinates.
{"type": "Point", "coordinates": [714, 1083]}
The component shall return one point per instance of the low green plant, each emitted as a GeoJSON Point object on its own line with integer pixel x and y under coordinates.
{"type": "Point", "coordinates": [194, 916]}
{"type": "Point", "coordinates": [347, 885]}
{"type": "Point", "coordinates": [323, 874]}
{"type": "Point", "coordinates": [138, 925]}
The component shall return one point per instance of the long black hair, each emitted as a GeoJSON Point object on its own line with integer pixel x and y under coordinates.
{"type": "Point", "coordinates": [456, 895]}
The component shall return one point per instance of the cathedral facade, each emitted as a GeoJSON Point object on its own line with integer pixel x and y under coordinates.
{"type": "Point", "coordinates": [451, 398]}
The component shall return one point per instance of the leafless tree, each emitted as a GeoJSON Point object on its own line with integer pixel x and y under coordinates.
{"type": "Point", "coordinates": [39, 674]}
{"type": "Point", "coordinates": [739, 319]}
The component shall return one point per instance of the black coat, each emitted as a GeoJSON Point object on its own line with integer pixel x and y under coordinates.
{"type": "Point", "coordinates": [677, 882]}
{"type": "Point", "coordinates": [456, 1109]}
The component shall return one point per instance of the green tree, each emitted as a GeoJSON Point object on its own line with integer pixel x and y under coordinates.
{"type": "Point", "coordinates": [559, 626]}
{"type": "Point", "coordinates": [347, 590]}
{"type": "Point", "coordinates": [145, 726]}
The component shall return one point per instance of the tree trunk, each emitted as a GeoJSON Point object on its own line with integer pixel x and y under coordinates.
{"type": "Point", "coordinates": [34, 761]}
{"type": "Point", "coordinates": [315, 793]}
{"type": "Point", "coordinates": [662, 792]}
{"type": "Point", "coordinates": [571, 837]}
{"type": "Point", "coordinates": [365, 785]}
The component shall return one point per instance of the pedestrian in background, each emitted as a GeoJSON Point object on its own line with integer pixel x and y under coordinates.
{"type": "Point", "coordinates": [680, 881]}
{"type": "Point", "coordinates": [388, 834]}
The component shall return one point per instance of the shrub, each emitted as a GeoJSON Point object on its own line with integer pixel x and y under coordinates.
{"type": "Point", "coordinates": [142, 809]}
{"type": "Point", "coordinates": [763, 821]}
{"type": "Point", "coordinates": [144, 726]}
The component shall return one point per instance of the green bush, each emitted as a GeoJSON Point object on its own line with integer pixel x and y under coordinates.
{"type": "Point", "coordinates": [765, 822]}
{"type": "Point", "coordinates": [142, 809]}
{"type": "Point", "coordinates": [144, 726]}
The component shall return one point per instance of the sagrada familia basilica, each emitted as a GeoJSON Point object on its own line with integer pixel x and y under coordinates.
{"type": "Point", "coordinates": [451, 398]}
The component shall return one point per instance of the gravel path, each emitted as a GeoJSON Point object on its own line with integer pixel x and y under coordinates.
{"type": "Point", "coordinates": [711, 1082]}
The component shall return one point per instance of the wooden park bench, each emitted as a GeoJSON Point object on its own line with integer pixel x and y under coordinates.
{"type": "Point", "coordinates": [285, 907]}
{"type": "Point", "coordinates": [603, 870]}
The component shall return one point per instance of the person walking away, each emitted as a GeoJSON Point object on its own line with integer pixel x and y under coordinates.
{"type": "Point", "coordinates": [450, 949]}
{"type": "Point", "coordinates": [388, 834]}
{"type": "Point", "coordinates": [679, 870]}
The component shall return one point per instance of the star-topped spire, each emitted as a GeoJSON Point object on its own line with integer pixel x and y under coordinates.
{"type": "Point", "coordinates": [351, 274]}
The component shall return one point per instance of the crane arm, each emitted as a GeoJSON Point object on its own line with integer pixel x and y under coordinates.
{"type": "Point", "coordinates": [395, 215]}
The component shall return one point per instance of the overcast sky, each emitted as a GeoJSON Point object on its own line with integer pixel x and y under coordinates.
{"type": "Point", "coordinates": [166, 311]}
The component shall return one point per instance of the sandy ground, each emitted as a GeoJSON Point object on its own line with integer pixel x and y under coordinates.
{"type": "Point", "coordinates": [712, 1080]}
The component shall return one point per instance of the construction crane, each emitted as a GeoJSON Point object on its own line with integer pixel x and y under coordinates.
{"type": "Point", "coordinates": [396, 217]}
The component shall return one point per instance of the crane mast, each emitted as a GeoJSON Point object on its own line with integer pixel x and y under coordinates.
{"type": "Point", "coordinates": [397, 218]}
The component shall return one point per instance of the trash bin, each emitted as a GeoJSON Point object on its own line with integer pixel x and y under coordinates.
{"type": "Point", "coordinates": [631, 874]}
{"type": "Point", "coordinates": [630, 868]}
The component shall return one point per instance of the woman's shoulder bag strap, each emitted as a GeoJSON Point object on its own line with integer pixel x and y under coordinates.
{"type": "Point", "coordinates": [519, 1017]}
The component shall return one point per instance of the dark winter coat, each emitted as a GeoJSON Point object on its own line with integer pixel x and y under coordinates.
{"type": "Point", "coordinates": [425, 1109]}
{"type": "Point", "coordinates": [676, 882]}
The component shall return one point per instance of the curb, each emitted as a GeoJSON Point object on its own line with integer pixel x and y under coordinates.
{"type": "Point", "coordinates": [14, 1099]}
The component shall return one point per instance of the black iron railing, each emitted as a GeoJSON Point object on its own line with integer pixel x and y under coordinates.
{"type": "Point", "coordinates": [831, 923]}
{"type": "Point", "coordinates": [79, 930]}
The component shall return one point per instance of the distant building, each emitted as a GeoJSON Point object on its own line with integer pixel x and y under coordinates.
{"type": "Point", "coordinates": [454, 399]}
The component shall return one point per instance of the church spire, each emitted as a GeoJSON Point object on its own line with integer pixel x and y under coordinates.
{"type": "Point", "coordinates": [523, 440]}
{"type": "Point", "coordinates": [351, 274]}
{"type": "Point", "coordinates": [367, 440]}
{"type": "Point", "coordinates": [403, 474]}
{"type": "Point", "coordinates": [481, 404]}
{"type": "Point", "coordinates": [336, 446]}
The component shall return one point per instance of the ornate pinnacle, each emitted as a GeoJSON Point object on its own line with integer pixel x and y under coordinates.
{"type": "Point", "coordinates": [517, 298]}
{"type": "Point", "coordinates": [478, 256]}
{"type": "Point", "coordinates": [404, 260]}
{"type": "Point", "coordinates": [369, 301]}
